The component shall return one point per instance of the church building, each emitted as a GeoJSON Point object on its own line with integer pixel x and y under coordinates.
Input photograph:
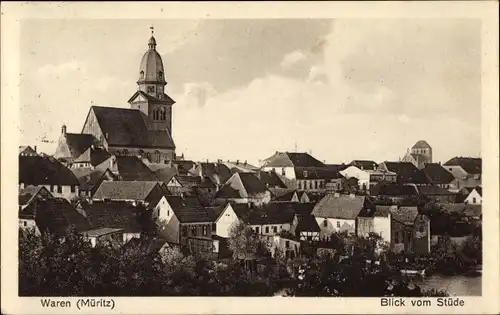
{"type": "Point", "coordinates": [144, 129]}
{"type": "Point", "coordinates": [420, 154]}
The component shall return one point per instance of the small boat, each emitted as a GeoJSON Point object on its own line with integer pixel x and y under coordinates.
{"type": "Point", "coordinates": [413, 272]}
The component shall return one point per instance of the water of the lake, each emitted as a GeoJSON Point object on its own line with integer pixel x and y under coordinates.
{"type": "Point", "coordinates": [454, 285]}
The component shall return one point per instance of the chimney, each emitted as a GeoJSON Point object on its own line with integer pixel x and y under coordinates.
{"type": "Point", "coordinates": [245, 162]}
{"type": "Point", "coordinates": [34, 148]}
{"type": "Point", "coordinates": [92, 147]}
{"type": "Point", "coordinates": [63, 130]}
{"type": "Point", "coordinates": [237, 162]}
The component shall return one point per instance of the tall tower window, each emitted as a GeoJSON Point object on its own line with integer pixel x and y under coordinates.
{"type": "Point", "coordinates": [141, 75]}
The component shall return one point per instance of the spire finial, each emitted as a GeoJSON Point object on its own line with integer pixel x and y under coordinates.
{"type": "Point", "coordinates": [152, 28]}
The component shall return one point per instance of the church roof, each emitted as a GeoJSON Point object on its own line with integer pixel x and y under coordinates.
{"type": "Point", "coordinates": [421, 144]}
{"type": "Point", "coordinates": [128, 128]}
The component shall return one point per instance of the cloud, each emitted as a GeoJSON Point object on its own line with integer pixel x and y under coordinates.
{"type": "Point", "coordinates": [196, 94]}
{"type": "Point", "coordinates": [61, 69]}
{"type": "Point", "coordinates": [292, 58]}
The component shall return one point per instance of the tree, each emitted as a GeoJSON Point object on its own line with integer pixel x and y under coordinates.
{"type": "Point", "coordinates": [244, 243]}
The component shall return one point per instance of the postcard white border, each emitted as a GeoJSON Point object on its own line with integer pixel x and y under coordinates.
{"type": "Point", "coordinates": [12, 13]}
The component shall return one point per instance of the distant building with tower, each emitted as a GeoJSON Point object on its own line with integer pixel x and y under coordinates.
{"type": "Point", "coordinates": [419, 155]}
{"type": "Point", "coordinates": [145, 129]}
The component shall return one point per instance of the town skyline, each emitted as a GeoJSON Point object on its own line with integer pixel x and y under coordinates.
{"type": "Point", "coordinates": [244, 102]}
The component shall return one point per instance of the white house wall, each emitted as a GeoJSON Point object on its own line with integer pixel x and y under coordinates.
{"type": "Point", "coordinates": [227, 218]}
{"type": "Point", "coordinates": [334, 225]}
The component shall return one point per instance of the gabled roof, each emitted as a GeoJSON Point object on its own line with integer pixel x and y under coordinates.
{"type": "Point", "coordinates": [364, 164]}
{"type": "Point", "coordinates": [270, 179]}
{"type": "Point", "coordinates": [316, 173]}
{"type": "Point", "coordinates": [421, 144]}
{"type": "Point", "coordinates": [241, 185]}
{"type": "Point", "coordinates": [94, 156]}
{"type": "Point", "coordinates": [341, 206]}
{"type": "Point", "coordinates": [405, 215]}
{"type": "Point", "coordinates": [116, 214]}
{"type": "Point", "coordinates": [218, 173]}
{"type": "Point", "coordinates": [128, 168]}
{"type": "Point", "coordinates": [307, 223]}
{"type": "Point", "coordinates": [167, 99]}
{"type": "Point", "coordinates": [283, 194]}
{"type": "Point", "coordinates": [407, 172]}
{"type": "Point", "coordinates": [128, 128]}
{"type": "Point", "coordinates": [89, 178]}
{"type": "Point", "coordinates": [433, 191]}
{"type": "Point", "coordinates": [272, 213]}
{"type": "Point", "coordinates": [44, 170]}
{"type": "Point", "coordinates": [393, 189]}
{"type": "Point", "coordinates": [188, 181]}
{"type": "Point", "coordinates": [292, 159]}
{"type": "Point", "coordinates": [479, 190]}
{"type": "Point", "coordinates": [468, 164]}
{"type": "Point", "coordinates": [337, 167]}
{"type": "Point", "coordinates": [184, 166]}
{"type": "Point", "coordinates": [243, 166]}
{"type": "Point", "coordinates": [437, 174]}
{"type": "Point", "coordinates": [125, 190]}
{"type": "Point", "coordinates": [165, 174]}
{"type": "Point", "coordinates": [56, 215]}
{"type": "Point", "coordinates": [195, 215]}
{"type": "Point", "coordinates": [76, 143]}
{"type": "Point", "coordinates": [29, 193]}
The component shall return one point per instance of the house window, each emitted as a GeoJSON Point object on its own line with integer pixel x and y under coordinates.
{"type": "Point", "coordinates": [25, 223]}
{"type": "Point", "coordinates": [267, 229]}
{"type": "Point", "coordinates": [305, 173]}
{"type": "Point", "coordinates": [184, 231]}
{"type": "Point", "coordinates": [338, 224]}
{"type": "Point", "coordinates": [287, 244]}
{"type": "Point", "coordinates": [205, 230]}
{"type": "Point", "coordinates": [283, 171]}
{"type": "Point", "coordinates": [214, 227]}
{"type": "Point", "coordinates": [473, 199]}
{"type": "Point", "coordinates": [275, 229]}
{"type": "Point", "coordinates": [157, 154]}
{"type": "Point", "coordinates": [59, 189]}
{"type": "Point", "coordinates": [142, 75]}
{"type": "Point", "coordinates": [299, 185]}
{"type": "Point", "coordinates": [73, 188]}
{"type": "Point", "coordinates": [51, 188]}
{"type": "Point", "coordinates": [325, 223]}
{"type": "Point", "coordinates": [193, 231]}
{"type": "Point", "coordinates": [257, 230]}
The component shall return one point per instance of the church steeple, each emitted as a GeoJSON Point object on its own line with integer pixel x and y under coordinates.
{"type": "Point", "coordinates": [152, 40]}
{"type": "Point", "coordinates": [151, 98]}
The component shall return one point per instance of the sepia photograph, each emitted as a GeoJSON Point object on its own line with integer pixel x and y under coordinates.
{"type": "Point", "coordinates": [250, 157]}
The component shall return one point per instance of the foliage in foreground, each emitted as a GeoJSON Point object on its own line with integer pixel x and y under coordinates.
{"type": "Point", "coordinates": [51, 267]}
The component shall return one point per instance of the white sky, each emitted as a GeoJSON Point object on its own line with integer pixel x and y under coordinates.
{"type": "Point", "coordinates": [343, 89]}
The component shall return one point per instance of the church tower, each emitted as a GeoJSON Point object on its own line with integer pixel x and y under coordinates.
{"type": "Point", "coordinates": [150, 97]}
